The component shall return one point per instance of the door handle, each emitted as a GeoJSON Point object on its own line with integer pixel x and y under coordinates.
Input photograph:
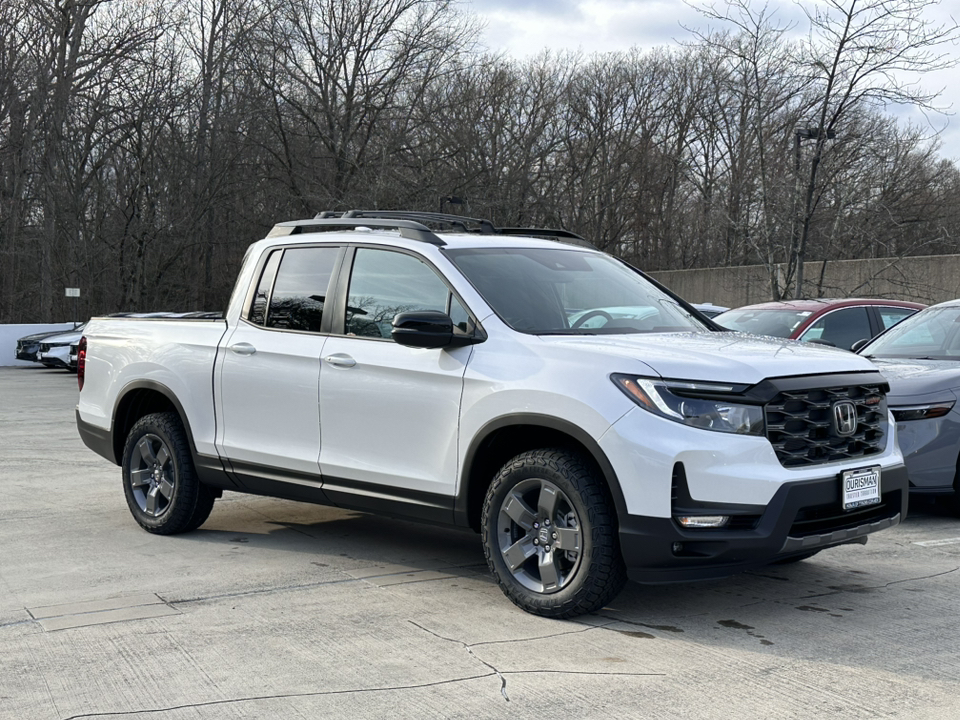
{"type": "Point", "coordinates": [243, 349]}
{"type": "Point", "coordinates": [340, 360]}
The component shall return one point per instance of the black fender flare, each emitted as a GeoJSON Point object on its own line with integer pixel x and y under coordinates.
{"type": "Point", "coordinates": [462, 503]}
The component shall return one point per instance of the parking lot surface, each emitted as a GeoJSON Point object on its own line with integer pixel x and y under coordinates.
{"type": "Point", "coordinates": [279, 609]}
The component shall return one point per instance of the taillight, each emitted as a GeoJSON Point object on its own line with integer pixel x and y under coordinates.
{"type": "Point", "coordinates": [81, 361]}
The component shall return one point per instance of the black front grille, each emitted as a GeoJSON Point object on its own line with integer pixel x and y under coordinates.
{"type": "Point", "coordinates": [800, 424]}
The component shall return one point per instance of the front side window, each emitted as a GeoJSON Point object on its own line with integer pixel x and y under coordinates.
{"type": "Point", "coordinates": [841, 328]}
{"type": "Point", "coordinates": [545, 291]}
{"type": "Point", "coordinates": [384, 283]}
{"type": "Point", "coordinates": [300, 290]}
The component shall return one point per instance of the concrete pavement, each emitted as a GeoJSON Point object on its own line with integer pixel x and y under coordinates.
{"type": "Point", "coordinates": [278, 609]}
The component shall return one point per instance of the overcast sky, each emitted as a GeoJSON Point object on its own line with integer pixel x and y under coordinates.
{"type": "Point", "coordinates": [525, 27]}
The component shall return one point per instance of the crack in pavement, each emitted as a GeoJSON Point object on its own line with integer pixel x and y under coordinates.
{"type": "Point", "coordinates": [280, 696]}
{"type": "Point", "coordinates": [503, 673]}
{"type": "Point", "coordinates": [503, 680]}
{"type": "Point", "coordinates": [538, 637]}
{"type": "Point", "coordinates": [877, 587]}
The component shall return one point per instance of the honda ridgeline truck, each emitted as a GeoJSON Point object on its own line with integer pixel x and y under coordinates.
{"type": "Point", "coordinates": [587, 422]}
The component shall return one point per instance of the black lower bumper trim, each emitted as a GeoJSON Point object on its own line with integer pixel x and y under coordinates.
{"type": "Point", "coordinates": [97, 439]}
{"type": "Point", "coordinates": [801, 516]}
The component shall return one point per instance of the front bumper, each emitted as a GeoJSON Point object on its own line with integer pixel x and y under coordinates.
{"type": "Point", "coordinates": [55, 357]}
{"type": "Point", "coordinates": [802, 516]}
{"type": "Point", "coordinates": [27, 352]}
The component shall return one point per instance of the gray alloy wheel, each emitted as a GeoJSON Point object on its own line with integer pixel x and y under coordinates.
{"type": "Point", "coordinates": [539, 535]}
{"type": "Point", "coordinates": [153, 475]}
{"type": "Point", "coordinates": [549, 531]}
{"type": "Point", "coordinates": [160, 483]}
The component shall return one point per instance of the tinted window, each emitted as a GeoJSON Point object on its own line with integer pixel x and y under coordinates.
{"type": "Point", "coordinates": [890, 316]}
{"type": "Point", "coordinates": [258, 309]}
{"type": "Point", "coordinates": [841, 328]}
{"type": "Point", "coordinates": [301, 288]}
{"type": "Point", "coordinates": [384, 283]}
{"type": "Point", "coordinates": [567, 291]}
{"type": "Point", "coordinates": [778, 323]}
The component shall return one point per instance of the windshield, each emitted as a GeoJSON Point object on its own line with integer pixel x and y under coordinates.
{"type": "Point", "coordinates": [775, 322]}
{"type": "Point", "coordinates": [932, 334]}
{"type": "Point", "coordinates": [547, 291]}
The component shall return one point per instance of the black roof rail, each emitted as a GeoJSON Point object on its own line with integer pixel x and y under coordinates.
{"type": "Point", "coordinates": [412, 224]}
{"type": "Point", "coordinates": [547, 232]}
{"type": "Point", "coordinates": [408, 229]}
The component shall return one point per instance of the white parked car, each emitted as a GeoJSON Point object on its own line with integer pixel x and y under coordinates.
{"type": "Point", "coordinates": [579, 416]}
{"type": "Point", "coordinates": [54, 351]}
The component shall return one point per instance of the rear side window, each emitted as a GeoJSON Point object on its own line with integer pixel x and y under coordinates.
{"type": "Point", "coordinates": [300, 290]}
{"type": "Point", "coordinates": [258, 309]}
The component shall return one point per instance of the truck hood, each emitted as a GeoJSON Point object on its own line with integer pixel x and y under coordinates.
{"type": "Point", "coordinates": [728, 357]}
{"type": "Point", "coordinates": [917, 380]}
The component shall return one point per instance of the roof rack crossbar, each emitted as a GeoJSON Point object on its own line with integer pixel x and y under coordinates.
{"type": "Point", "coordinates": [464, 223]}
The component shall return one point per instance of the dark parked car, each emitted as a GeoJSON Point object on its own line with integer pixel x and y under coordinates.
{"type": "Point", "coordinates": [839, 323]}
{"type": "Point", "coordinates": [29, 345]}
{"type": "Point", "coordinates": [920, 358]}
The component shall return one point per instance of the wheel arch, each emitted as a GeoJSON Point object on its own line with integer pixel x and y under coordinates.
{"type": "Point", "coordinates": [139, 398]}
{"type": "Point", "coordinates": [506, 437]}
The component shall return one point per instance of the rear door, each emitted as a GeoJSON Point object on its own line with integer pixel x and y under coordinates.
{"type": "Point", "coordinates": [389, 413]}
{"type": "Point", "coordinates": [269, 370]}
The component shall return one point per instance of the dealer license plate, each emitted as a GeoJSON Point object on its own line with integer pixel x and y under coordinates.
{"type": "Point", "coordinates": [861, 487]}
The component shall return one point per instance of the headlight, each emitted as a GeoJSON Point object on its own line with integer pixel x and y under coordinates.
{"type": "Point", "coordinates": [690, 403]}
{"type": "Point", "coordinates": [922, 412]}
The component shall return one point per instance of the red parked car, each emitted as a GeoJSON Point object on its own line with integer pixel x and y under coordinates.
{"type": "Point", "coordinates": [839, 323]}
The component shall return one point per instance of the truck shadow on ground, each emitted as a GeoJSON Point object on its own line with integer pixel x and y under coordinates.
{"type": "Point", "coordinates": [843, 589]}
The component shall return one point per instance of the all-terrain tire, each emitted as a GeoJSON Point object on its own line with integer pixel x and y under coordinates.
{"type": "Point", "coordinates": [552, 504]}
{"type": "Point", "coordinates": [160, 482]}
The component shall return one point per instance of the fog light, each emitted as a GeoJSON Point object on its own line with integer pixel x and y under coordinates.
{"type": "Point", "coordinates": [703, 521]}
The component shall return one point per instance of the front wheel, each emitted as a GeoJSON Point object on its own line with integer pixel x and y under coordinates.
{"type": "Point", "coordinates": [549, 535]}
{"type": "Point", "coordinates": [159, 480]}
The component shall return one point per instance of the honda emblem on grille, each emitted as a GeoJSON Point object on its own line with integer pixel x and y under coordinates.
{"type": "Point", "coordinates": [844, 418]}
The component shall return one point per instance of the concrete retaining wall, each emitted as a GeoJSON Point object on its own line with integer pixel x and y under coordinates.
{"type": "Point", "coordinates": [9, 334]}
{"type": "Point", "coordinates": [930, 279]}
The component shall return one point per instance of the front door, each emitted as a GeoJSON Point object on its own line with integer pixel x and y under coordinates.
{"type": "Point", "coordinates": [389, 413]}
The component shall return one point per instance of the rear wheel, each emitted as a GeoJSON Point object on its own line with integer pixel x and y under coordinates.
{"type": "Point", "coordinates": [159, 480]}
{"type": "Point", "coordinates": [549, 535]}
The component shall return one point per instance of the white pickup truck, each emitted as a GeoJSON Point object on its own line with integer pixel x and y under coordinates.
{"type": "Point", "coordinates": [588, 423]}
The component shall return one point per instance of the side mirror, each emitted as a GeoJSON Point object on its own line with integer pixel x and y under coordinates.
{"type": "Point", "coordinates": [428, 329]}
{"type": "Point", "coordinates": [859, 345]}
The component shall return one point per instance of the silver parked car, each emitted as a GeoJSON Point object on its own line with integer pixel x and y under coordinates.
{"type": "Point", "coordinates": [920, 357]}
